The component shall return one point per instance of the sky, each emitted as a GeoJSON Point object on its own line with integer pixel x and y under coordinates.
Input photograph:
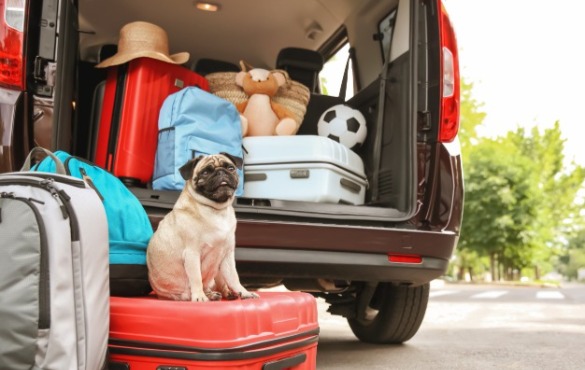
{"type": "Point", "coordinates": [523, 57]}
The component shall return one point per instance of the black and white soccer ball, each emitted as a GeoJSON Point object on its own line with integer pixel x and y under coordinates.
{"type": "Point", "coordinates": [343, 124]}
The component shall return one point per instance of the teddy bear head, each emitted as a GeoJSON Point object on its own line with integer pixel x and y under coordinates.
{"type": "Point", "coordinates": [260, 81]}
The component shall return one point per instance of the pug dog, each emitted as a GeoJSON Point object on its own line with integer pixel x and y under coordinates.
{"type": "Point", "coordinates": [191, 255]}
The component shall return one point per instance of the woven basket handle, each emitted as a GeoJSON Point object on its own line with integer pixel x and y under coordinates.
{"type": "Point", "coordinates": [245, 66]}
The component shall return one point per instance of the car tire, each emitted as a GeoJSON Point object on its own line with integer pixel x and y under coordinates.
{"type": "Point", "coordinates": [392, 315]}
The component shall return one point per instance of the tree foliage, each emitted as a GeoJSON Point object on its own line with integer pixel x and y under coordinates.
{"type": "Point", "coordinates": [574, 257]}
{"type": "Point", "coordinates": [498, 209]}
{"type": "Point", "coordinates": [471, 116]}
{"type": "Point", "coordinates": [520, 194]}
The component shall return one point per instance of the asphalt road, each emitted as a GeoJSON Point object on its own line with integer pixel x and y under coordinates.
{"type": "Point", "coordinates": [473, 327]}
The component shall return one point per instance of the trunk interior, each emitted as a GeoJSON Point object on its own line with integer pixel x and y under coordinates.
{"type": "Point", "coordinates": [388, 96]}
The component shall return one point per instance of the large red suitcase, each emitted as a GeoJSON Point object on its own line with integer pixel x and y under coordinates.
{"type": "Point", "coordinates": [128, 128]}
{"type": "Point", "coordinates": [277, 331]}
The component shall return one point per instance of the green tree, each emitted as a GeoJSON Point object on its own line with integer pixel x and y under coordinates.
{"type": "Point", "coordinates": [520, 195]}
{"type": "Point", "coordinates": [574, 256]}
{"type": "Point", "coordinates": [520, 200]}
{"type": "Point", "coordinates": [498, 210]}
{"type": "Point", "coordinates": [471, 116]}
{"type": "Point", "coordinates": [467, 264]}
{"type": "Point", "coordinates": [558, 214]}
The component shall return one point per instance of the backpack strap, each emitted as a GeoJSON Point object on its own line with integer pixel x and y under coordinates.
{"type": "Point", "coordinates": [60, 168]}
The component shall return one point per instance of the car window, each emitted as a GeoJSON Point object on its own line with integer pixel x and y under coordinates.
{"type": "Point", "coordinates": [331, 76]}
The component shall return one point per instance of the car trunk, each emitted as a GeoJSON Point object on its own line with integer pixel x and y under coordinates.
{"type": "Point", "coordinates": [396, 105]}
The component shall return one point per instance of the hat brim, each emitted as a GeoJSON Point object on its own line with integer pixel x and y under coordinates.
{"type": "Point", "coordinates": [179, 58]}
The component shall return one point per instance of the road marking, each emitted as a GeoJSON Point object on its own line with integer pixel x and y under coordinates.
{"type": "Point", "coordinates": [438, 293]}
{"type": "Point", "coordinates": [550, 295]}
{"type": "Point", "coordinates": [490, 294]}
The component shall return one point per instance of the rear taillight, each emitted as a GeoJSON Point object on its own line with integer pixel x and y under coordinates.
{"type": "Point", "coordinates": [12, 19]}
{"type": "Point", "coordinates": [404, 258]}
{"type": "Point", "coordinates": [449, 123]}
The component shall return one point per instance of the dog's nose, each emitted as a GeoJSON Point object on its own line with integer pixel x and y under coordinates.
{"type": "Point", "coordinates": [220, 171]}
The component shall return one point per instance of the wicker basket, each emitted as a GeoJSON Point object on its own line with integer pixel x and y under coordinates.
{"type": "Point", "coordinates": [294, 96]}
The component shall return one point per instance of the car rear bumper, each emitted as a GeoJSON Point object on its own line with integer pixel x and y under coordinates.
{"type": "Point", "coordinates": [311, 264]}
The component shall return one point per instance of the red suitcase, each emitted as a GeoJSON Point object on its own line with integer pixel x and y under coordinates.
{"type": "Point", "coordinates": [128, 128]}
{"type": "Point", "coordinates": [277, 331]}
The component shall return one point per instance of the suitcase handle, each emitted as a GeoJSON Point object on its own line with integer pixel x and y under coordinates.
{"type": "Point", "coordinates": [285, 362]}
{"type": "Point", "coordinates": [60, 168]}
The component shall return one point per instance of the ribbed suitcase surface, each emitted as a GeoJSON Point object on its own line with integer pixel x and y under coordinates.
{"type": "Point", "coordinates": [307, 168]}
{"type": "Point", "coordinates": [279, 330]}
{"type": "Point", "coordinates": [128, 128]}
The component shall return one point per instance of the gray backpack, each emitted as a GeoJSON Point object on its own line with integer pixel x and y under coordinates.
{"type": "Point", "coordinates": [54, 277]}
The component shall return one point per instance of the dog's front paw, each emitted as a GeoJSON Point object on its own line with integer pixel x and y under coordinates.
{"type": "Point", "coordinates": [232, 294]}
{"type": "Point", "coordinates": [248, 295]}
{"type": "Point", "coordinates": [199, 297]}
{"type": "Point", "coordinates": [213, 296]}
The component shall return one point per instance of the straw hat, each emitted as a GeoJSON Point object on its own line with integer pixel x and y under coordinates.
{"type": "Point", "coordinates": [143, 39]}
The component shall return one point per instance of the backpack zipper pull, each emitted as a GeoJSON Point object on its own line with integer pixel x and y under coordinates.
{"type": "Point", "coordinates": [48, 184]}
{"type": "Point", "coordinates": [89, 182]}
{"type": "Point", "coordinates": [5, 195]}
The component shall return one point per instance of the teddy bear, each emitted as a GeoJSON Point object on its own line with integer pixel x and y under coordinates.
{"type": "Point", "coordinates": [260, 114]}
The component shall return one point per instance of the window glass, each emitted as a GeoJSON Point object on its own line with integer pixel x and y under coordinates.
{"type": "Point", "coordinates": [331, 76]}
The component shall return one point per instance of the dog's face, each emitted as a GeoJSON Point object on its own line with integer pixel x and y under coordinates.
{"type": "Point", "coordinates": [214, 176]}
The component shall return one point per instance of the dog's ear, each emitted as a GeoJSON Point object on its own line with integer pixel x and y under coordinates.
{"type": "Point", "coordinates": [187, 169]}
{"type": "Point", "coordinates": [239, 162]}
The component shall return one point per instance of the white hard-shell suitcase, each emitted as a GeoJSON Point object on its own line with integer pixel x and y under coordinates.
{"type": "Point", "coordinates": [54, 273]}
{"type": "Point", "coordinates": [302, 168]}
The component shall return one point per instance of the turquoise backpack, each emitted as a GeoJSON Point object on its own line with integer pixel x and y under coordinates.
{"type": "Point", "coordinates": [129, 228]}
{"type": "Point", "coordinates": [193, 122]}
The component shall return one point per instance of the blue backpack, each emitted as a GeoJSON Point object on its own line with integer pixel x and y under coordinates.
{"type": "Point", "coordinates": [193, 122]}
{"type": "Point", "coordinates": [129, 228]}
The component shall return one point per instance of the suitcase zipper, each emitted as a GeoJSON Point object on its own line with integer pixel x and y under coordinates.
{"type": "Point", "coordinates": [44, 289]}
{"type": "Point", "coordinates": [256, 350]}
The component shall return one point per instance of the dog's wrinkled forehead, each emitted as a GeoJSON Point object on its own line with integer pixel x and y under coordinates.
{"type": "Point", "coordinates": [216, 160]}
{"type": "Point", "coordinates": [197, 165]}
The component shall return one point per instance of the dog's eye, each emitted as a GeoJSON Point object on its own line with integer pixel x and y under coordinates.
{"type": "Point", "coordinates": [231, 168]}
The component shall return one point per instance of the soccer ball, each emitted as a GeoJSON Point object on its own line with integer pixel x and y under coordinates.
{"type": "Point", "coordinates": [343, 124]}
